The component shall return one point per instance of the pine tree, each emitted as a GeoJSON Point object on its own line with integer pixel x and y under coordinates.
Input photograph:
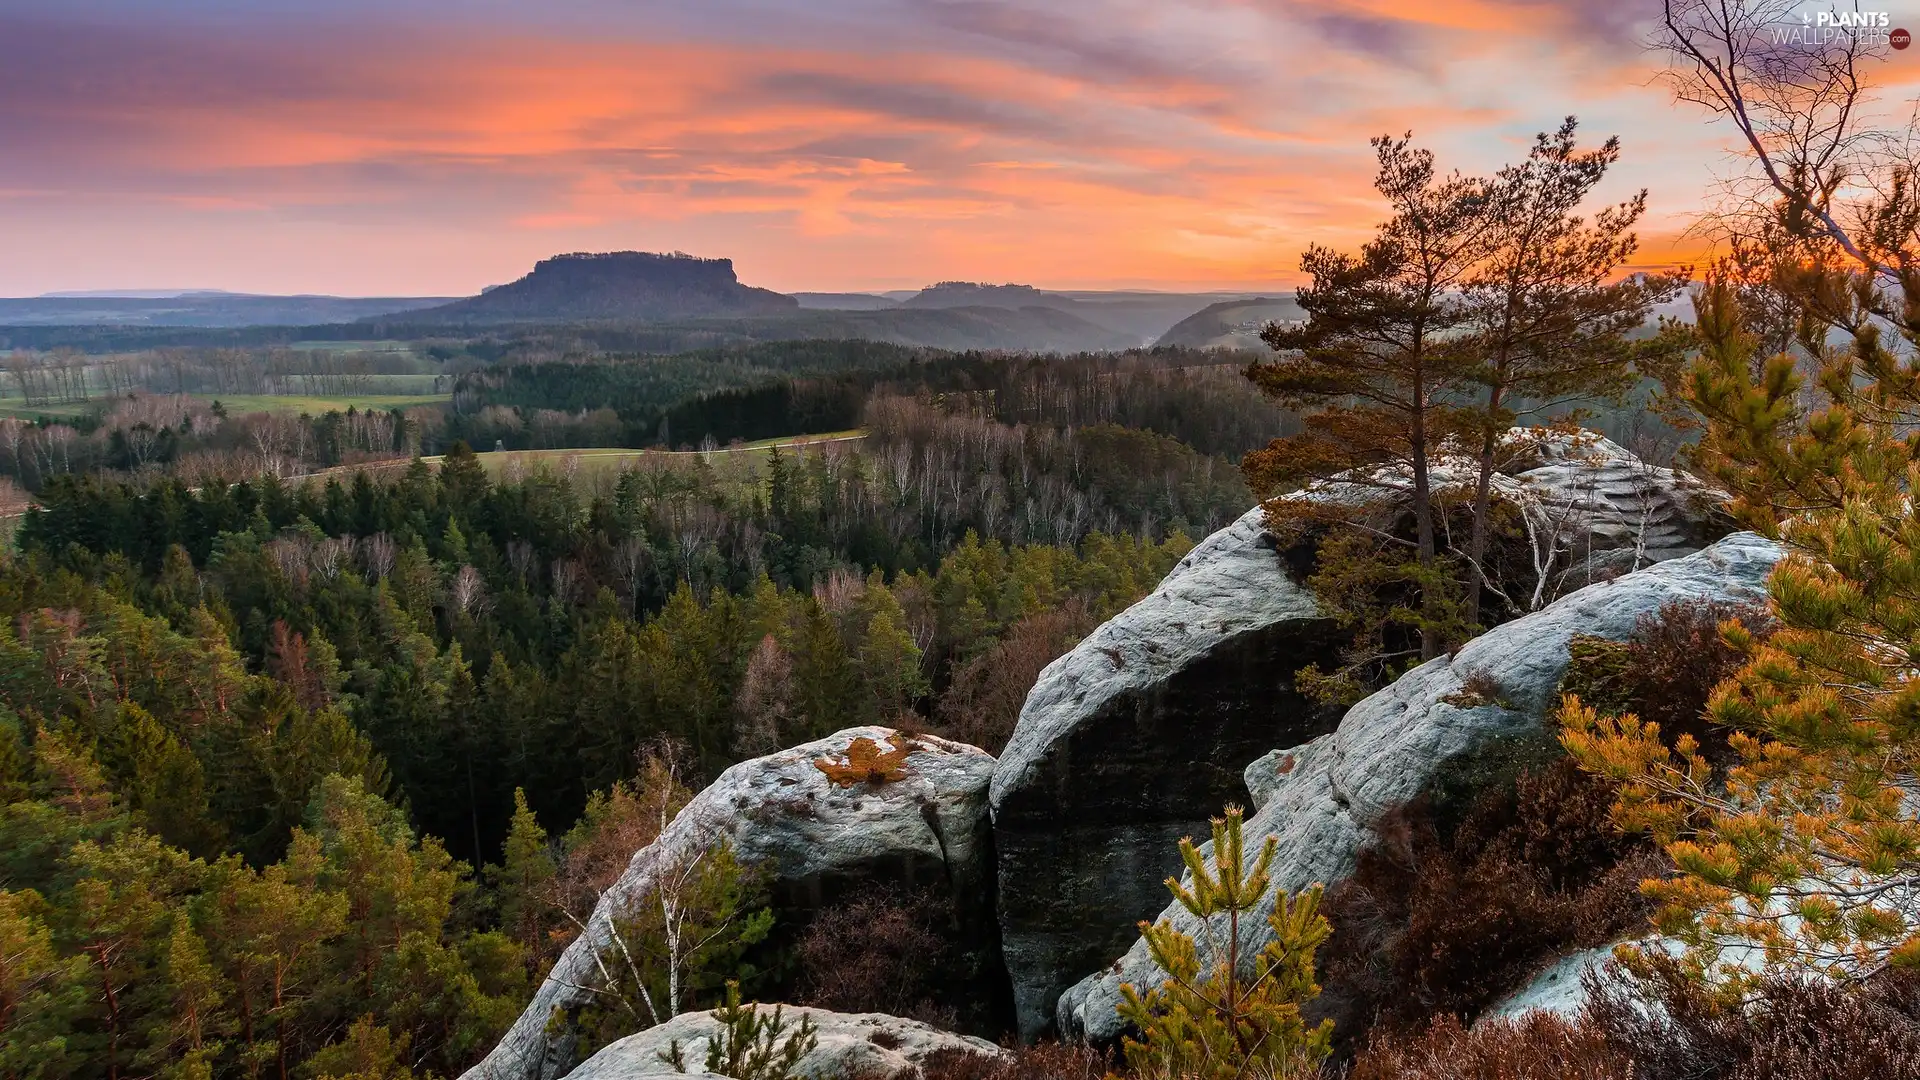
{"type": "Point", "coordinates": [462, 477]}
{"type": "Point", "coordinates": [42, 994]}
{"type": "Point", "coordinates": [1807, 847]}
{"type": "Point", "coordinates": [1549, 317]}
{"type": "Point", "coordinates": [190, 1035]}
{"type": "Point", "coordinates": [890, 660]}
{"type": "Point", "coordinates": [1381, 361]}
{"type": "Point", "coordinates": [1225, 1015]}
{"type": "Point", "coordinates": [749, 1045]}
{"type": "Point", "coordinates": [163, 782]}
{"type": "Point", "coordinates": [825, 682]}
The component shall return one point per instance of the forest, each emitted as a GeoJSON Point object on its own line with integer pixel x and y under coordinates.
{"type": "Point", "coordinates": [508, 733]}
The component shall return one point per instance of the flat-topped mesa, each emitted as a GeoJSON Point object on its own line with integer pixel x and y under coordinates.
{"type": "Point", "coordinates": [617, 285]}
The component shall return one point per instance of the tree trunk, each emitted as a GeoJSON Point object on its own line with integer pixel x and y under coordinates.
{"type": "Point", "coordinates": [1430, 643]}
{"type": "Point", "coordinates": [1482, 507]}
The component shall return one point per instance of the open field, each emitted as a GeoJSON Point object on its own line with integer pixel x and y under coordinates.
{"type": "Point", "coordinates": [11, 408]}
{"type": "Point", "coordinates": [612, 460]}
{"type": "Point", "coordinates": [393, 392]}
{"type": "Point", "coordinates": [246, 403]}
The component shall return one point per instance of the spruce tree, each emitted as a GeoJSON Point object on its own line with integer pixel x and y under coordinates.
{"type": "Point", "coordinates": [523, 882]}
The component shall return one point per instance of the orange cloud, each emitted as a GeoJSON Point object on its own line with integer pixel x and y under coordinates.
{"type": "Point", "coordinates": [998, 142]}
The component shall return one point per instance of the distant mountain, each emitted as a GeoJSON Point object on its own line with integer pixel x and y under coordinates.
{"type": "Point", "coordinates": [202, 309]}
{"type": "Point", "coordinates": [844, 301]}
{"type": "Point", "coordinates": [133, 294]}
{"type": "Point", "coordinates": [1231, 324]}
{"type": "Point", "coordinates": [620, 285]}
{"type": "Point", "coordinates": [952, 294]}
{"type": "Point", "coordinates": [1139, 316]}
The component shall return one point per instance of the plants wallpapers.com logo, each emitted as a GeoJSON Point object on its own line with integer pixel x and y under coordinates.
{"type": "Point", "coordinates": [1869, 30]}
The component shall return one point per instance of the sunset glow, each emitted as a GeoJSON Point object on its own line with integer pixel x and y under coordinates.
{"type": "Point", "coordinates": [437, 147]}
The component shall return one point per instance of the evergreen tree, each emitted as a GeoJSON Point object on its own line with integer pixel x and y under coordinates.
{"type": "Point", "coordinates": [523, 882]}
{"type": "Point", "coordinates": [889, 659]}
{"type": "Point", "coordinates": [1804, 852]}
{"type": "Point", "coordinates": [1224, 1015]}
{"type": "Point", "coordinates": [825, 683]}
{"type": "Point", "coordinates": [1550, 320]}
{"type": "Point", "coordinates": [42, 994]}
{"type": "Point", "coordinates": [162, 781]}
{"type": "Point", "coordinates": [1382, 360]}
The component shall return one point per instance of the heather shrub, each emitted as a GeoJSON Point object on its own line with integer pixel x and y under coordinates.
{"type": "Point", "coordinates": [1536, 1046]}
{"type": "Point", "coordinates": [1042, 1061]}
{"type": "Point", "coordinates": [880, 951]}
{"type": "Point", "coordinates": [1447, 919]}
{"type": "Point", "coordinates": [1786, 1028]}
{"type": "Point", "coordinates": [1665, 672]}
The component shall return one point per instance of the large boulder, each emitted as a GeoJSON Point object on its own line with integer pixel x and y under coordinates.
{"type": "Point", "coordinates": [817, 837]}
{"type": "Point", "coordinates": [1133, 740]}
{"type": "Point", "coordinates": [1443, 730]}
{"type": "Point", "coordinates": [867, 1046]}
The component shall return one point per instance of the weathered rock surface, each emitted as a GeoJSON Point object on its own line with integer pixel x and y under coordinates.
{"type": "Point", "coordinates": [1429, 733]}
{"type": "Point", "coordinates": [869, 1046]}
{"type": "Point", "coordinates": [1590, 509]}
{"type": "Point", "coordinates": [816, 838]}
{"type": "Point", "coordinates": [1133, 740]}
{"type": "Point", "coordinates": [1558, 988]}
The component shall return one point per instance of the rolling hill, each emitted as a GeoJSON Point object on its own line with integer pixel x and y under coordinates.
{"type": "Point", "coordinates": [1233, 324]}
{"type": "Point", "coordinates": [203, 309]}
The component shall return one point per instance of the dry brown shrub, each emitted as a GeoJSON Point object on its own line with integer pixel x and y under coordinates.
{"type": "Point", "coordinates": [1788, 1029]}
{"type": "Point", "coordinates": [1537, 1046]}
{"type": "Point", "coordinates": [983, 701]}
{"type": "Point", "coordinates": [1042, 1061]}
{"type": "Point", "coordinates": [881, 951]}
{"type": "Point", "coordinates": [1436, 921]}
{"type": "Point", "coordinates": [1668, 669]}
{"type": "Point", "coordinates": [867, 763]}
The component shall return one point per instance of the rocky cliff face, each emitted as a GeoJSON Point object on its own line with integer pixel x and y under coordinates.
{"type": "Point", "coordinates": [815, 837]}
{"type": "Point", "coordinates": [1585, 508]}
{"type": "Point", "coordinates": [1178, 706]}
{"type": "Point", "coordinates": [1133, 740]}
{"type": "Point", "coordinates": [1141, 733]}
{"type": "Point", "coordinates": [1429, 732]}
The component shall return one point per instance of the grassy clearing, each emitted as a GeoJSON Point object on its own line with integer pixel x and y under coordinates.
{"type": "Point", "coordinates": [389, 392]}
{"type": "Point", "coordinates": [12, 409]}
{"type": "Point", "coordinates": [297, 403]}
{"type": "Point", "coordinates": [612, 460]}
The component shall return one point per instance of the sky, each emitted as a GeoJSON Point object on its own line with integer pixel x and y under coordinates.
{"type": "Point", "coordinates": [432, 147]}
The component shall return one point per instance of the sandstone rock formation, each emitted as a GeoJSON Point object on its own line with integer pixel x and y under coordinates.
{"type": "Point", "coordinates": [1140, 734]}
{"type": "Point", "coordinates": [1590, 509]}
{"type": "Point", "coordinates": [1133, 740]}
{"type": "Point", "coordinates": [1449, 725]}
{"type": "Point", "coordinates": [816, 838]}
{"type": "Point", "coordinates": [871, 1046]}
